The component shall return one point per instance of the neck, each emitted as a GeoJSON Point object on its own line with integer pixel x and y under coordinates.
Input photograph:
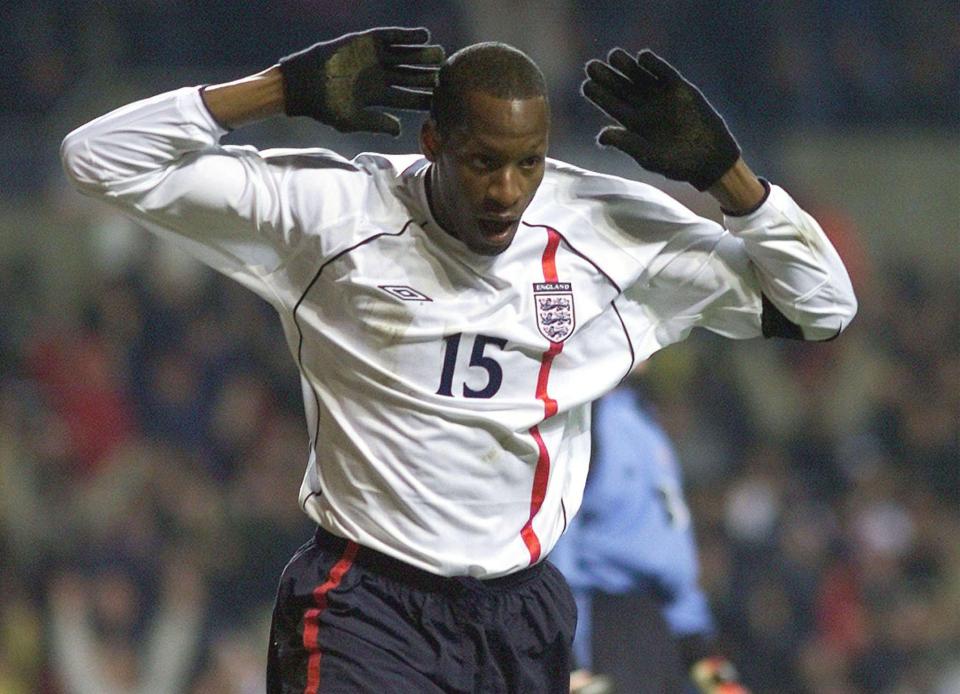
{"type": "Point", "coordinates": [436, 210]}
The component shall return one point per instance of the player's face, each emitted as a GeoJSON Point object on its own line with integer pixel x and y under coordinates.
{"type": "Point", "coordinates": [486, 172]}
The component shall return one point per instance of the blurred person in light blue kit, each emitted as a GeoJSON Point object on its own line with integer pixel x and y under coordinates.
{"type": "Point", "coordinates": [631, 560]}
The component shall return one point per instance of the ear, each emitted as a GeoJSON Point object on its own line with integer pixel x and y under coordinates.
{"type": "Point", "coordinates": [429, 140]}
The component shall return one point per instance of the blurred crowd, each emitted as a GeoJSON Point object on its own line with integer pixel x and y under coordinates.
{"type": "Point", "coordinates": [151, 432]}
{"type": "Point", "coordinates": [151, 449]}
{"type": "Point", "coordinates": [769, 67]}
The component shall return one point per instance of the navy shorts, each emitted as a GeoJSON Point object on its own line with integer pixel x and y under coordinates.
{"type": "Point", "coordinates": [349, 619]}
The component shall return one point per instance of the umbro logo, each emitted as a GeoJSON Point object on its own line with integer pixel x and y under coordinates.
{"type": "Point", "coordinates": [403, 292]}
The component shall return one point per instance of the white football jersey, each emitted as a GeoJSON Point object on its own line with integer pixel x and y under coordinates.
{"type": "Point", "coordinates": [446, 393]}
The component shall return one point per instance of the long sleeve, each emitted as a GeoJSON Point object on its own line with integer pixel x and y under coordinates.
{"type": "Point", "coordinates": [798, 268]}
{"type": "Point", "coordinates": [143, 138]}
{"type": "Point", "coordinates": [772, 272]}
{"type": "Point", "coordinates": [242, 211]}
{"type": "Point", "coordinates": [158, 160]}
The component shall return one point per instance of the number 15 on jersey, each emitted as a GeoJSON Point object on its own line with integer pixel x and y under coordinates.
{"type": "Point", "coordinates": [478, 359]}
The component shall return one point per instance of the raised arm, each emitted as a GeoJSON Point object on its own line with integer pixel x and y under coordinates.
{"type": "Point", "coordinates": [343, 83]}
{"type": "Point", "coordinates": [667, 125]}
{"type": "Point", "coordinates": [247, 100]}
{"type": "Point", "coordinates": [241, 211]}
{"type": "Point", "coordinates": [337, 82]}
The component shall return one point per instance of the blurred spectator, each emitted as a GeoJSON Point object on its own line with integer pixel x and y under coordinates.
{"type": "Point", "coordinates": [631, 560]}
{"type": "Point", "coordinates": [82, 378]}
{"type": "Point", "coordinates": [94, 632]}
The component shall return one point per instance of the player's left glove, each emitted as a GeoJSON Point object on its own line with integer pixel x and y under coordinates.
{"type": "Point", "coordinates": [336, 82]}
{"type": "Point", "coordinates": [716, 675]}
{"type": "Point", "coordinates": [669, 127]}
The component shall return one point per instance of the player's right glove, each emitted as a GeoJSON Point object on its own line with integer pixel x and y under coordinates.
{"type": "Point", "coordinates": [668, 126]}
{"type": "Point", "coordinates": [336, 82]}
{"type": "Point", "coordinates": [716, 675]}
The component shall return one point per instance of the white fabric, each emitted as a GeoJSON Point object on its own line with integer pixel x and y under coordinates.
{"type": "Point", "coordinates": [445, 482]}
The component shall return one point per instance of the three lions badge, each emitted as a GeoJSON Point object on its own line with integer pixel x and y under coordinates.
{"type": "Point", "coordinates": [554, 307]}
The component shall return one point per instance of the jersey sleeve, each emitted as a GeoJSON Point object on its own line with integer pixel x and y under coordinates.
{"type": "Point", "coordinates": [772, 272]}
{"type": "Point", "coordinates": [241, 211]}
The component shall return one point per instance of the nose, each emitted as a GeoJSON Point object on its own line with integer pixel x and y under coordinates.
{"type": "Point", "coordinates": [506, 188]}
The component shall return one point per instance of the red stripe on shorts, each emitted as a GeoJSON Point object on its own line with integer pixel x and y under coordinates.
{"type": "Point", "coordinates": [311, 619]}
{"type": "Point", "coordinates": [542, 472]}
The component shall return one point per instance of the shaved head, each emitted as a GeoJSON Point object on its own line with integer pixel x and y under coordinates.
{"type": "Point", "coordinates": [492, 68]}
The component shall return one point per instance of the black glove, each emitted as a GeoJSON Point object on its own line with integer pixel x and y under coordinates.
{"type": "Point", "coordinates": [335, 81]}
{"type": "Point", "coordinates": [669, 127]}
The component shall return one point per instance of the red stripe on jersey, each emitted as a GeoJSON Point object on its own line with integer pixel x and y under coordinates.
{"type": "Point", "coordinates": [542, 472]}
{"type": "Point", "coordinates": [550, 255]}
{"type": "Point", "coordinates": [549, 404]}
{"type": "Point", "coordinates": [311, 619]}
{"type": "Point", "coordinates": [531, 540]}
{"type": "Point", "coordinates": [540, 477]}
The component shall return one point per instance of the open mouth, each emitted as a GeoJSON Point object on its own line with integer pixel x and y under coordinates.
{"type": "Point", "coordinates": [495, 229]}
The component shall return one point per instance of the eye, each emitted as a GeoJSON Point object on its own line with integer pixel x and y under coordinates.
{"type": "Point", "coordinates": [481, 162]}
{"type": "Point", "coordinates": [531, 162]}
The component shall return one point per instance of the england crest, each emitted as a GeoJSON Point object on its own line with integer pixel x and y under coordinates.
{"type": "Point", "coordinates": [554, 305]}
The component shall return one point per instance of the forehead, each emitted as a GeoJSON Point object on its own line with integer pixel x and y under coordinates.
{"type": "Point", "coordinates": [494, 122]}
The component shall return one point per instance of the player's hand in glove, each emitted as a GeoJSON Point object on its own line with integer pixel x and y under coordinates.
{"type": "Point", "coordinates": [716, 675]}
{"type": "Point", "coordinates": [336, 82]}
{"type": "Point", "coordinates": [668, 126]}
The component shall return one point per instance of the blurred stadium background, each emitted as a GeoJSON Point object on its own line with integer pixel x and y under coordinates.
{"type": "Point", "coordinates": [151, 442]}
